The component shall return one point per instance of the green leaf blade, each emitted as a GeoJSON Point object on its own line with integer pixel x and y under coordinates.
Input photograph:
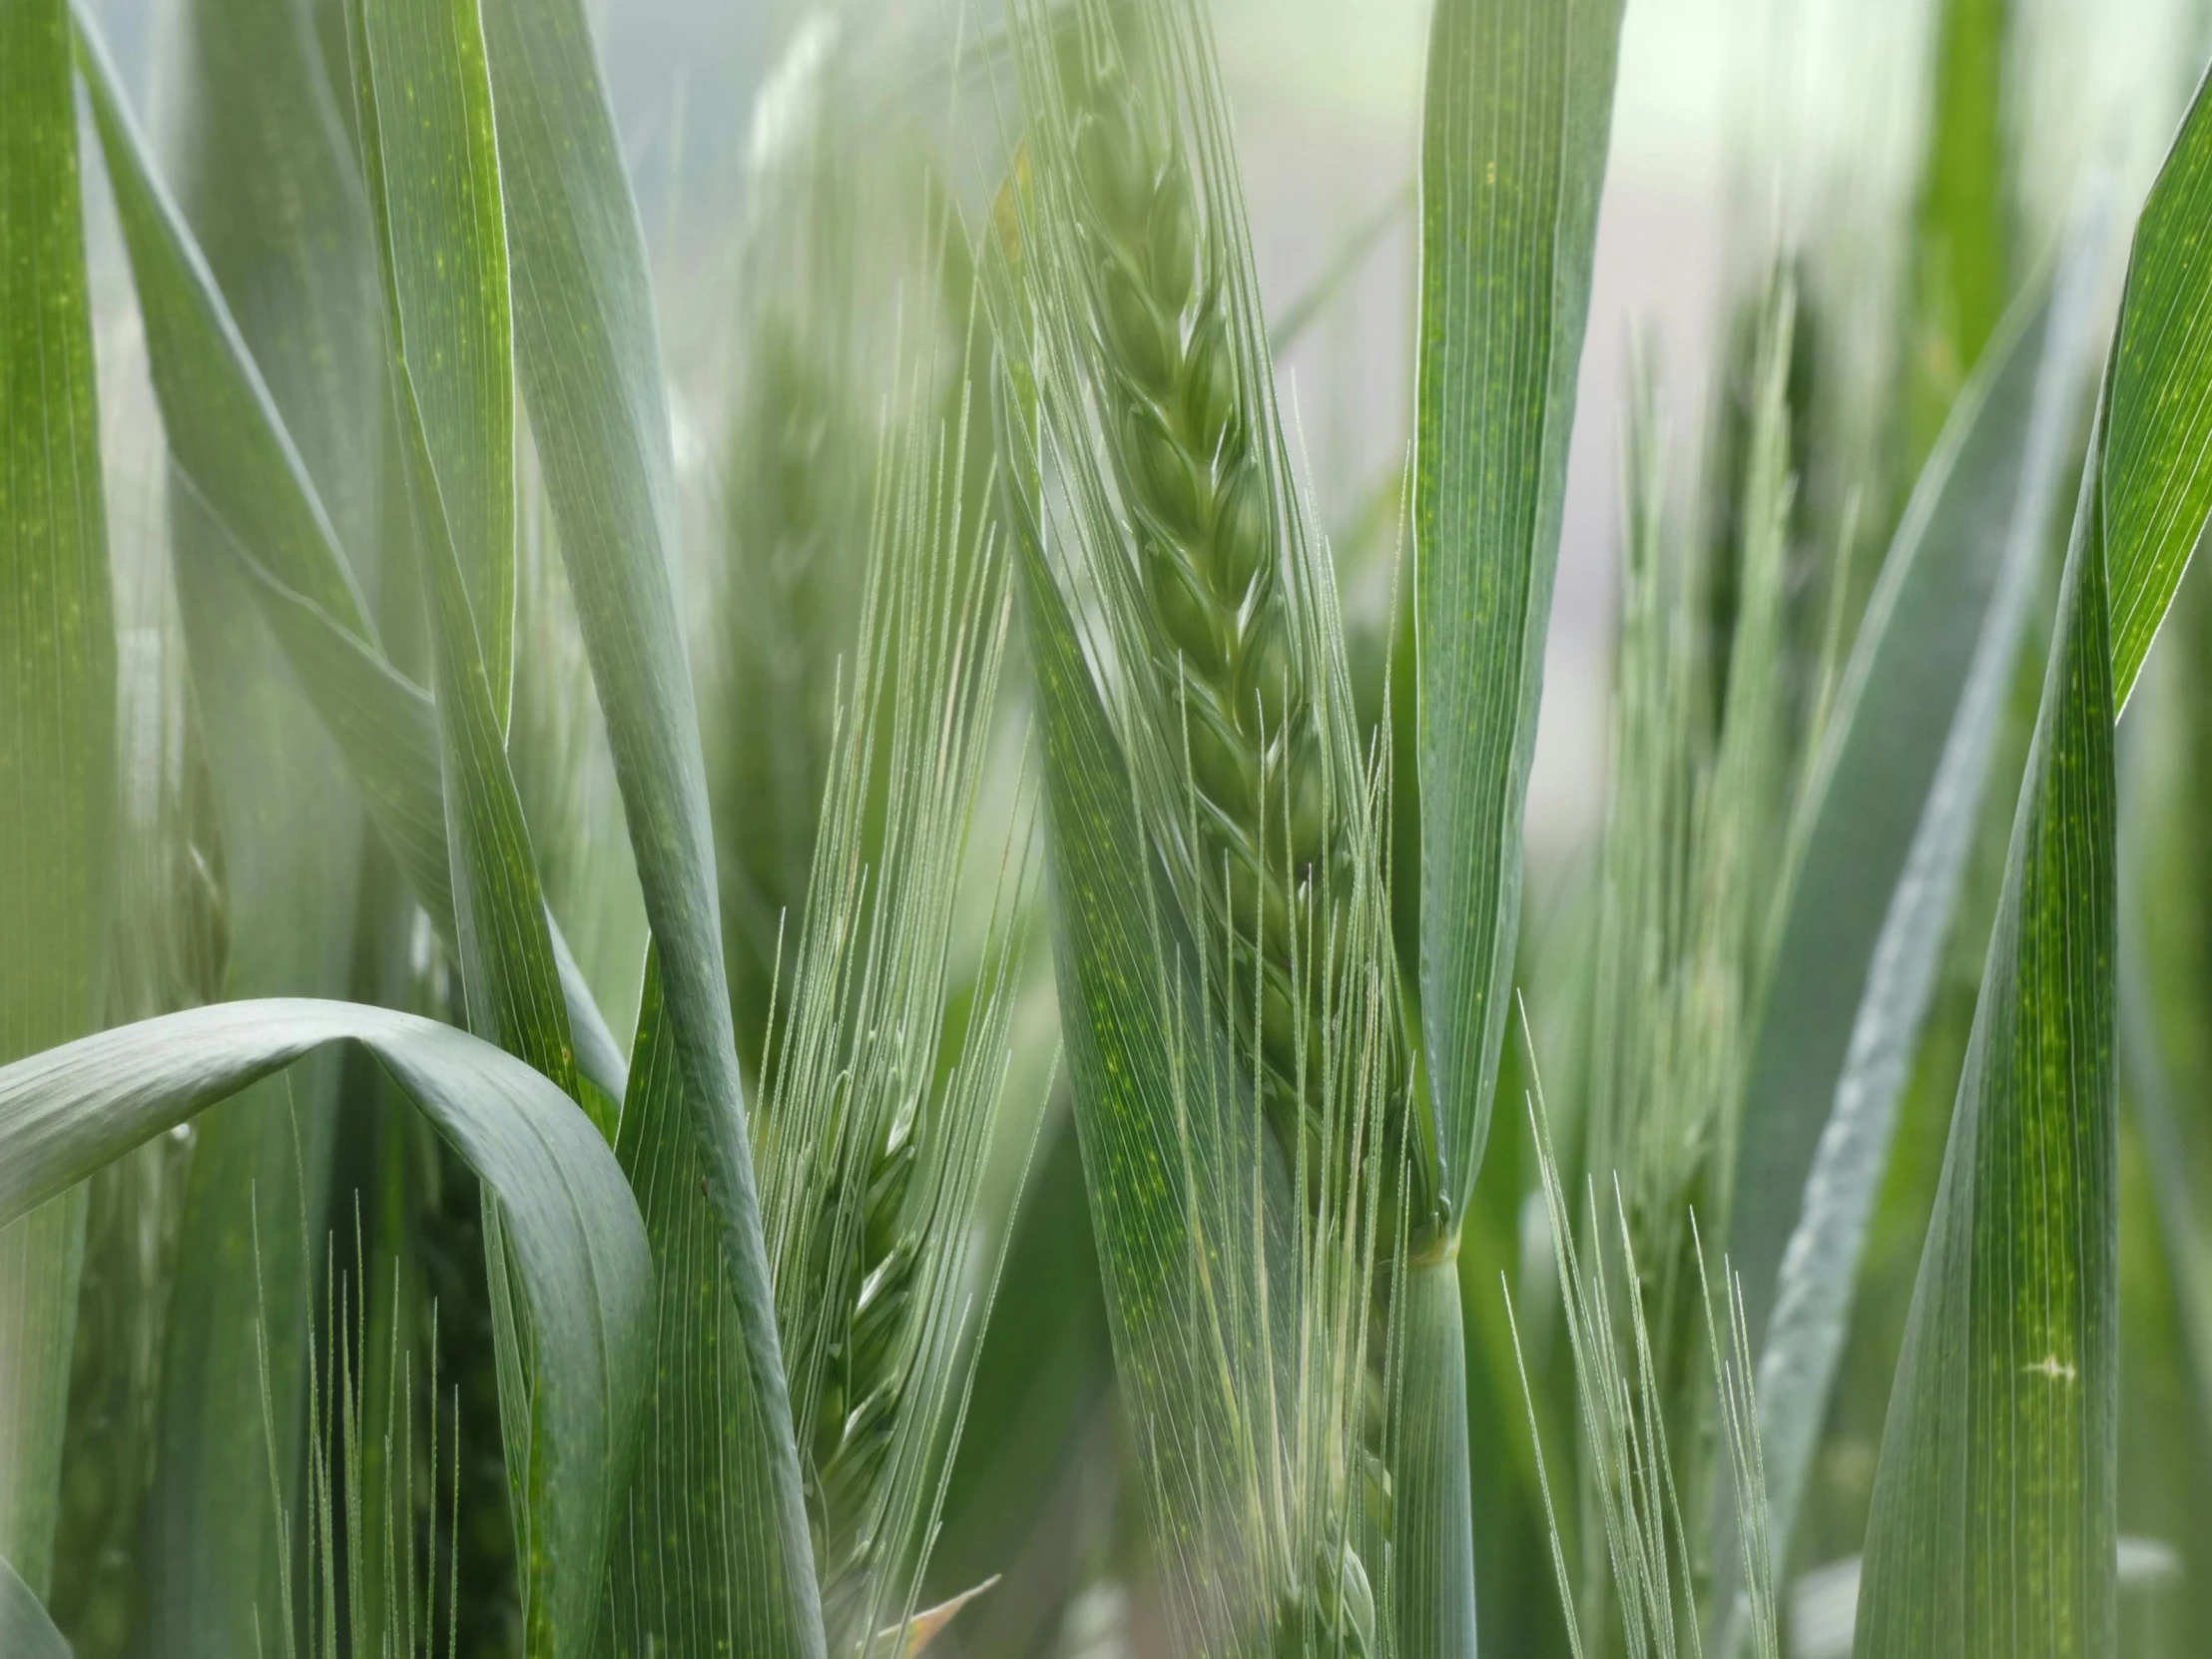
{"type": "Point", "coordinates": [590, 367]}
{"type": "Point", "coordinates": [1951, 577]}
{"type": "Point", "coordinates": [1518, 116]}
{"type": "Point", "coordinates": [433, 181]}
{"type": "Point", "coordinates": [1995, 1521]}
{"type": "Point", "coordinates": [258, 514]}
{"type": "Point", "coordinates": [425, 94]}
{"type": "Point", "coordinates": [696, 1560]}
{"type": "Point", "coordinates": [57, 722]}
{"type": "Point", "coordinates": [2157, 481]}
{"type": "Point", "coordinates": [1953, 606]}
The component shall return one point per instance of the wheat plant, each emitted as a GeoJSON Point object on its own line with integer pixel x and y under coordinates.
{"type": "Point", "coordinates": [722, 943]}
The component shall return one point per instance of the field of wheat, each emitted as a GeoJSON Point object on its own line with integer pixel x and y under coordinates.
{"type": "Point", "coordinates": [1167, 830]}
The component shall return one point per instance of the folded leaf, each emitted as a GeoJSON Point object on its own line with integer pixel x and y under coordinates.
{"type": "Point", "coordinates": [574, 1240]}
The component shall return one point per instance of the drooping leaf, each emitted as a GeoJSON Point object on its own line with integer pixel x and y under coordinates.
{"type": "Point", "coordinates": [1994, 1523]}
{"type": "Point", "coordinates": [589, 356]}
{"type": "Point", "coordinates": [580, 1263]}
{"type": "Point", "coordinates": [259, 512]}
{"type": "Point", "coordinates": [1951, 606]}
{"type": "Point", "coordinates": [57, 724]}
{"type": "Point", "coordinates": [1519, 110]}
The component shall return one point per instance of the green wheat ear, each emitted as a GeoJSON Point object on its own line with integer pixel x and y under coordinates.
{"type": "Point", "coordinates": [1135, 359]}
{"type": "Point", "coordinates": [1198, 492]}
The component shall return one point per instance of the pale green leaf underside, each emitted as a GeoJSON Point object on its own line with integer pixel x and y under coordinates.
{"type": "Point", "coordinates": [574, 1238]}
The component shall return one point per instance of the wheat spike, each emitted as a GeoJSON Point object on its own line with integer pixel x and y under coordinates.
{"type": "Point", "coordinates": [1223, 670]}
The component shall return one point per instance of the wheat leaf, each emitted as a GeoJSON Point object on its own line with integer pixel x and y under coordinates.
{"type": "Point", "coordinates": [57, 722]}
{"type": "Point", "coordinates": [1513, 151]}
{"type": "Point", "coordinates": [255, 510]}
{"type": "Point", "coordinates": [589, 355]}
{"type": "Point", "coordinates": [1995, 1525]}
{"type": "Point", "coordinates": [1159, 1138]}
{"type": "Point", "coordinates": [422, 99]}
{"type": "Point", "coordinates": [695, 1559]}
{"type": "Point", "coordinates": [2157, 477]}
{"type": "Point", "coordinates": [578, 1251]}
{"type": "Point", "coordinates": [1895, 814]}
{"type": "Point", "coordinates": [1995, 1522]}
{"type": "Point", "coordinates": [1892, 744]}
{"type": "Point", "coordinates": [264, 176]}
{"type": "Point", "coordinates": [446, 290]}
